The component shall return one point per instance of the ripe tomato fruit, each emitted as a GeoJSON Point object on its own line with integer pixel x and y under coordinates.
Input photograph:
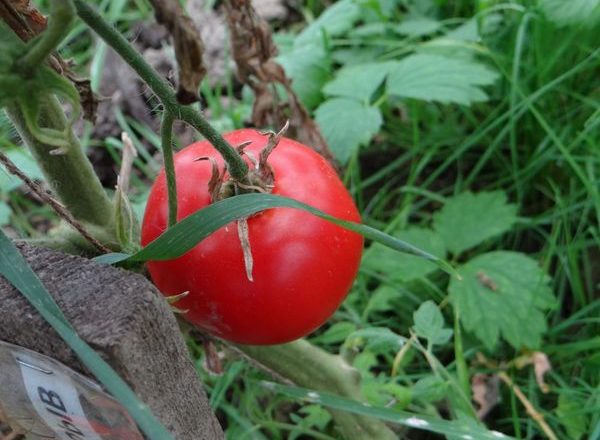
{"type": "Point", "coordinates": [303, 266]}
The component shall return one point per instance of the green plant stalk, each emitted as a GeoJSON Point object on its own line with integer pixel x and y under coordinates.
{"type": "Point", "coordinates": [161, 88]}
{"type": "Point", "coordinates": [62, 13]}
{"type": "Point", "coordinates": [166, 130]}
{"type": "Point", "coordinates": [308, 366]}
{"type": "Point", "coordinates": [70, 175]}
{"type": "Point", "coordinates": [462, 371]}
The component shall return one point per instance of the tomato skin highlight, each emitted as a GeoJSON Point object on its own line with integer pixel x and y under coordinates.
{"type": "Point", "coordinates": [304, 266]}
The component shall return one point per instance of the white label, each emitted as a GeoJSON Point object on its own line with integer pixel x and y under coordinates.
{"type": "Point", "coordinates": [55, 399]}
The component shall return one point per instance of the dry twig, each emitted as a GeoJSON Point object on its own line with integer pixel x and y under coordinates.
{"type": "Point", "coordinates": [60, 210]}
{"type": "Point", "coordinates": [188, 48]}
{"type": "Point", "coordinates": [531, 410]}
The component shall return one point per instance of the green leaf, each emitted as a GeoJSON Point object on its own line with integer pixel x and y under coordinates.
{"type": "Point", "coordinates": [5, 213]}
{"type": "Point", "coordinates": [430, 389]}
{"type": "Point", "coordinates": [346, 125]}
{"type": "Point", "coordinates": [377, 339]}
{"type": "Point", "coordinates": [429, 324]}
{"type": "Point", "coordinates": [309, 68]}
{"type": "Point", "coordinates": [23, 160]}
{"type": "Point", "coordinates": [381, 299]}
{"type": "Point", "coordinates": [571, 414]}
{"type": "Point", "coordinates": [16, 270]}
{"type": "Point", "coordinates": [182, 237]}
{"type": "Point", "coordinates": [358, 81]}
{"type": "Point", "coordinates": [335, 334]}
{"type": "Point", "coordinates": [397, 267]}
{"type": "Point", "coordinates": [412, 420]}
{"type": "Point", "coordinates": [336, 20]}
{"type": "Point", "coordinates": [468, 219]}
{"type": "Point", "coordinates": [439, 78]}
{"type": "Point", "coordinates": [503, 294]}
{"type": "Point", "coordinates": [564, 13]}
{"type": "Point", "coordinates": [418, 26]}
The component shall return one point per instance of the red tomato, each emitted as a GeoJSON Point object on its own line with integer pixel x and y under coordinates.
{"type": "Point", "coordinates": [303, 265]}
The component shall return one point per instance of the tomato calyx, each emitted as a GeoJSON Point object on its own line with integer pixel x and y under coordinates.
{"type": "Point", "coordinates": [260, 178]}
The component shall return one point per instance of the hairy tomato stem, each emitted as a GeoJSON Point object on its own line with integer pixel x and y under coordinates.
{"type": "Point", "coordinates": [166, 130]}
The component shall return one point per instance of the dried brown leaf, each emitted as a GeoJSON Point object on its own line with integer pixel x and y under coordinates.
{"type": "Point", "coordinates": [486, 392]}
{"type": "Point", "coordinates": [188, 47]}
{"type": "Point", "coordinates": [23, 19]}
{"type": "Point", "coordinates": [254, 51]}
{"type": "Point", "coordinates": [541, 365]}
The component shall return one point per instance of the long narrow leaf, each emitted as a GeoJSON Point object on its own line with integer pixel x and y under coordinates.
{"type": "Point", "coordinates": [16, 270]}
{"type": "Point", "coordinates": [467, 429]}
{"type": "Point", "coordinates": [182, 237]}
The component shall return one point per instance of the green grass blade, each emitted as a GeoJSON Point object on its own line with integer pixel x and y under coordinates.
{"type": "Point", "coordinates": [183, 236]}
{"type": "Point", "coordinates": [456, 428]}
{"type": "Point", "coordinates": [16, 270]}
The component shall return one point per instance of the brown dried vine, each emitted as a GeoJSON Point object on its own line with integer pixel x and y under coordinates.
{"type": "Point", "coordinates": [254, 51]}
{"type": "Point", "coordinates": [188, 47]}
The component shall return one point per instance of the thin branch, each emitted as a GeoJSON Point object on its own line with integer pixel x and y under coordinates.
{"type": "Point", "coordinates": [533, 413]}
{"type": "Point", "coordinates": [531, 410]}
{"type": "Point", "coordinates": [166, 129]}
{"type": "Point", "coordinates": [60, 210]}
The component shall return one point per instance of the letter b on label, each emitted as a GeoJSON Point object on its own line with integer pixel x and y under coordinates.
{"type": "Point", "coordinates": [52, 399]}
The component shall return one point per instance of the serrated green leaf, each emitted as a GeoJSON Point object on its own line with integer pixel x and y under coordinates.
{"type": "Point", "coordinates": [468, 219]}
{"type": "Point", "coordinates": [442, 79]}
{"type": "Point", "coordinates": [347, 124]}
{"type": "Point", "coordinates": [309, 68]}
{"type": "Point", "coordinates": [16, 270]}
{"type": "Point", "coordinates": [418, 26]}
{"type": "Point", "coordinates": [397, 267]}
{"type": "Point", "coordinates": [503, 294]}
{"type": "Point", "coordinates": [5, 213]}
{"type": "Point", "coordinates": [429, 324]}
{"type": "Point", "coordinates": [336, 20]}
{"type": "Point", "coordinates": [356, 55]}
{"type": "Point", "coordinates": [564, 13]}
{"type": "Point", "coordinates": [358, 81]}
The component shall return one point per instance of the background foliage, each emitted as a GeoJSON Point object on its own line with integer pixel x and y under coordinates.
{"type": "Point", "coordinates": [467, 128]}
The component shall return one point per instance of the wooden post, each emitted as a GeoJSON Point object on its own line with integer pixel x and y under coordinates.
{"type": "Point", "coordinates": [126, 320]}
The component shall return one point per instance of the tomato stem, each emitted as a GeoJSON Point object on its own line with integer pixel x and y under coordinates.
{"type": "Point", "coordinates": [166, 130]}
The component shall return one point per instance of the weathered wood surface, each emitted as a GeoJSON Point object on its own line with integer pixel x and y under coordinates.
{"type": "Point", "coordinates": [122, 316]}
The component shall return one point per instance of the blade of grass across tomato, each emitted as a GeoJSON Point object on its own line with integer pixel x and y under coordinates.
{"type": "Point", "coordinates": [467, 429]}
{"type": "Point", "coordinates": [183, 236]}
{"type": "Point", "coordinates": [16, 270]}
